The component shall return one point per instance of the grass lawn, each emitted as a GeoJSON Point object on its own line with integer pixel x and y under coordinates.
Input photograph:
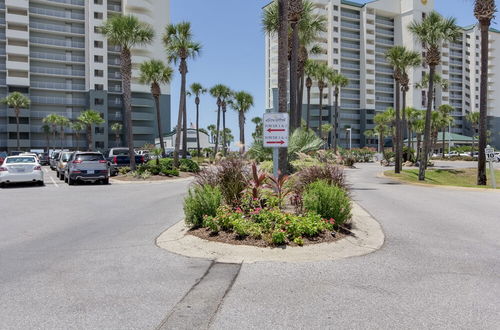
{"type": "Point", "coordinates": [465, 177]}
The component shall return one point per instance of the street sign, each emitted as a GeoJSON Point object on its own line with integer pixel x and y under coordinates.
{"type": "Point", "coordinates": [276, 130]}
{"type": "Point", "coordinates": [490, 154]}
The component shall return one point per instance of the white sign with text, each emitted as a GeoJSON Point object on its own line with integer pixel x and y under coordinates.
{"type": "Point", "coordinates": [276, 130]}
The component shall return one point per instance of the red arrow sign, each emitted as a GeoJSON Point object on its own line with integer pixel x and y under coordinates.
{"type": "Point", "coordinates": [275, 130]}
{"type": "Point", "coordinates": [276, 142]}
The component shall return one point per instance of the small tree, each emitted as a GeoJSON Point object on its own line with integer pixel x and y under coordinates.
{"type": "Point", "coordinates": [117, 129]}
{"type": "Point", "coordinates": [51, 120]}
{"type": "Point", "coordinates": [77, 127]}
{"type": "Point", "coordinates": [197, 90]}
{"type": "Point", "coordinates": [89, 118]}
{"type": "Point", "coordinates": [17, 101]}
{"type": "Point", "coordinates": [62, 122]}
{"type": "Point", "coordinates": [241, 103]}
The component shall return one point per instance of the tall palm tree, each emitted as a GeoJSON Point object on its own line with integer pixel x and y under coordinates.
{"type": "Point", "coordinates": [117, 129]}
{"type": "Point", "coordinates": [382, 128]}
{"type": "Point", "coordinates": [180, 46]}
{"type": "Point", "coordinates": [321, 75]}
{"type": "Point", "coordinates": [257, 134]}
{"type": "Point", "coordinates": [445, 120]}
{"type": "Point", "coordinates": [241, 102]}
{"type": "Point", "coordinates": [294, 15]}
{"type": "Point", "coordinates": [62, 122]}
{"type": "Point", "coordinates": [337, 81]}
{"type": "Point", "coordinates": [310, 68]}
{"type": "Point", "coordinates": [88, 118]}
{"type": "Point", "coordinates": [473, 118]}
{"type": "Point", "coordinates": [484, 11]}
{"type": "Point", "coordinates": [197, 90]}
{"type": "Point", "coordinates": [77, 127]}
{"type": "Point", "coordinates": [46, 133]}
{"type": "Point", "coordinates": [156, 73]}
{"type": "Point", "coordinates": [51, 120]}
{"type": "Point", "coordinates": [438, 82]}
{"type": "Point", "coordinates": [412, 116]}
{"type": "Point", "coordinates": [432, 32]}
{"type": "Point", "coordinates": [17, 101]}
{"type": "Point", "coordinates": [127, 31]}
{"type": "Point", "coordinates": [282, 74]}
{"type": "Point", "coordinates": [221, 93]}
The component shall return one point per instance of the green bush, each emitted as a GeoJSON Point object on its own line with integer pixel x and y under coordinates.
{"type": "Point", "coordinates": [330, 202]}
{"type": "Point", "coordinates": [123, 170]}
{"type": "Point", "coordinates": [189, 165]}
{"type": "Point", "coordinates": [201, 201]}
{"type": "Point", "coordinates": [279, 237]}
{"type": "Point", "coordinates": [172, 172]}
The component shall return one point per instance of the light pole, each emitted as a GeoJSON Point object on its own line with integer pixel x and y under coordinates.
{"type": "Point", "coordinates": [350, 138]}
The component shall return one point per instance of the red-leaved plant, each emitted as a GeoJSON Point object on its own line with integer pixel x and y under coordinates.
{"type": "Point", "coordinates": [277, 184]}
{"type": "Point", "coordinates": [256, 181]}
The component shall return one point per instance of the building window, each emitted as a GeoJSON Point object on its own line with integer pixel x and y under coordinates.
{"type": "Point", "coordinates": [99, 145]}
{"type": "Point", "coordinates": [98, 73]}
{"type": "Point", "coordinates": [99, 87]}
{"type": "Point", "coordinates": [335, 61]}
{"type": "Point", "coordinates": [424, 15]}
{"type": "Point", "coordinates": [98, 59]}
{"type": "Point", "coordinates": [97, 2]}
{"type": "Point", "coordinates": [336, 29]}
{"type": "Point", "coordinates": [97, 29]}
{"type": "Point", "coordinates": [335, 50]}
{"type": "Point", "coordinates": [97, 15]}
{"type": "Point", "coordinates": [423, 99]}
{"type": "Point", "coordinates": [98, 101]}
{"type": "Point", "coordinates": [98, 44]}
{"type": "Point", "coordinates": [336, 8]}
{"type": "Point", "coordinates": [336, 40]}
{"type": "Point", "coordinates": [336, 18]}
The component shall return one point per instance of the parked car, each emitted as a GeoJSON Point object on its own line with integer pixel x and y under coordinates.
{"type": "Point", "coordinates": [43, 158]}
{"type": "Point", "coordinates": [118, 157]}
{"type": "Point", "coordinates": [62, 161]}
{"type": "Point", "coordinates": [3, 155]}
{"type": "Point", "coordinates": [21, 169]}
{"type": "Point", "coordinates": [170, 154]}
{"type": "Point", "coordinates": [86, 166]}
{"type": "Point", "coordinates": [452, 154]}
{"type": "Point", "coordinates": [53, 160]}
{"type": "Point", "coordinates": [15, 152]}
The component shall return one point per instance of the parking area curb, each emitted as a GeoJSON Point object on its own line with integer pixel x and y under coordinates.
{"type": "Point", "coordinates": [368, 238]}
{"type": "Point", "coordinates": [118, 182]}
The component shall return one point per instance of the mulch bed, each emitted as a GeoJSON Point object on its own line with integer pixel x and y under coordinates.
{"type": "Point", "coordinates": [154, 177]}
{"type": "Point", "coordinates": [232, 238]}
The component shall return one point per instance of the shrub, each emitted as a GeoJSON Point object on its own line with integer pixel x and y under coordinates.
{"type": "Point", "coordinates": [123, 170]}
{"type": "Point", "coordinates": [201, 201]}
{"type": "Point", "coordinates": [172, 172]}
{"type": "Point", "coordinates": [189, 165]}
{"type": "Point", "coordinates": [279, 237]}
{"type": "Point", "coordinates": [330, 202]}
{"type": "Point", "coordinates": [266, 166]}
{"type": "Point", "coordinates": [299, 241]}
{"type": "Point", "coordinates": [331, 174]}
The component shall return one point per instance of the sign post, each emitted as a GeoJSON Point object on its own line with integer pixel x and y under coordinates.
{"type": "Point", "coordinates": [276, 130]}
{"type": "Point", "coordinates": [490, 157]}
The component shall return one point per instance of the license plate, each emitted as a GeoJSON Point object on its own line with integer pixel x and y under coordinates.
{"type": "Point", "coordinates": [90, 172]}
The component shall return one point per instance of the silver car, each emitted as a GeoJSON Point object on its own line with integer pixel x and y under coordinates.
{"type": "Point", "coordinates": [86, 166]}
{"type": "Point", "coordinates": [61, 163]}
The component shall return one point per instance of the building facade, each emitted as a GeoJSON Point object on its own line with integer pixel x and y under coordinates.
{"type": "Point", "coordinates": [355, 44]}
{"type": "Point", "coordinates": [192, 142]}
{"type": "Point", "coordinates": [53, 52]}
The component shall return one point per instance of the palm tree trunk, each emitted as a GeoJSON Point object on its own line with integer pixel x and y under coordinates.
{"type": "Point", "coordinates": [444, 140]}
{"type": "Point", "coordinates": [61, 135]}
{"type": "Point", "coordinates": [320, 113]}
{"type": "Point", "coordinates": [241, 119]}
{"type": "Point", "coordinates": [397, 139]}
{"type": "Point", "coordinates": [47, 140]}
{"type": "Point", "coordinates": [156, 97]}
{"type": "Point", "coordinates": [419, 138]}
{"type": "Point", "coordinates": [218, 128]}
{"type": "Point", "coordinates": [126, 73]}
{"type": "Point", "coordinates": [483, 99]}
{"type": "Point", "coordinates": [53, 138]}
{"type": "Point", "coordinates": [17, 127]}
{"type": "Point", "coordinates": [282, 74]}
{"type": "Point", "coordinates": [224, 142]}
{"type": "Point", "coordinates": [308, 107]}
{"type": "Point", "coordinates": [198, 126]}
{"type": "Point", "coordinates": [336, 123]}
{"type": "Point", "coordinates": [381, 139]}
{"type": "Point", "coordinates": [293, 77]}
{"type": "Point", "coordinates": [300, 96]}
{"type": "Point", "coordinates": [427, 130]}
{"type": "Point", "coordinates": [182, 100]}
{"type": "Point", "coordinates": [410, 143]}
{"type": "Point", "coordinates": [89, 137]}
{"type": "Point", "coordinates": [404, 124]}
{"type": "Point", "coordinates": [184, 129]}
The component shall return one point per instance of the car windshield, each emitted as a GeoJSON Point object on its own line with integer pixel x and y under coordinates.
{"type": "Point", "coordinates": [55, 155]}
{"type": "Point", "coordinates": [120, 152]}
{"type": "Point", "coordinates": [65, 157]}
{"type": "Point", "coordinates": [20, 160]}
{"type": "Point", "coordinates": [90, 157]}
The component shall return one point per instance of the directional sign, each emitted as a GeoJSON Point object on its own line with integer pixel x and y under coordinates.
{"type": "Point", "coordinates": [275, 130]}
{"type": "Point", "coordinates": [490, 154]}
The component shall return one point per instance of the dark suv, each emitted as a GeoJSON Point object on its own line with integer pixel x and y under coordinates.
{"type": "Point", "coordinates": [86, 166]}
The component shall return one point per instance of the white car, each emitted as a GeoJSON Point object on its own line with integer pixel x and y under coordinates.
{"type": "Point", "coordinates": [21, 168]}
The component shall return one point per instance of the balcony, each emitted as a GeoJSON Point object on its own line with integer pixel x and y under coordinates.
{"type": "Point", "coordinates": [350, 15]}
{"type": "Point", "coordinates": [57, 57]}
{"type": "Point", "coordinates": [350, 96]}
{"type": "Point", "coordinates": [349, 55]}
{"type": "Point", "coordinates": [57, 13]}
{"type": "Point", "coordinates": [57, 42]}
{"type": "Point", "coordinates": [351, 75]}
{"type": "Point", "coordinates": [345, 44]}
{"type": "Point", "coordinates": [384, 41]}
{"type": "Point", "coordinates": [384, 80]}
{"type": "Point", "coordinates": [52, 100]}
{"type": "Point", "coordinates": [69, 2]}
{"type": "Point", "coordinates": [387, 32]}
{"type": "Point", "coordinates": [349, 25]}
{"type": "Point", "coordinates": [350, 106]}
{"type": "Point", "coordinates": [344, 34]}
{"type": "Point", "coordinates": [56, 85]}
{"type": "Point", "coordinates": [57, 71]}
{"type": "Point", "coordinates": [117, 8]}
{"type": "Point", "coordinates": [114, 76]}
{"type": "Point", "coordinates": [384, 21]}
{"type": "Point", "coordinates": [345, 65]}
{"type": "Point", "coordinates": [57, 28]}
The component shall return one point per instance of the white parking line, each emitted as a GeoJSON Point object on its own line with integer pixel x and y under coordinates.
{"type": "Point", "coordinates": [54, 182]}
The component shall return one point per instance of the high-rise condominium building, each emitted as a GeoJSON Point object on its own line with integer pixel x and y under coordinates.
{"type": "Point", "coordinates": [53, 52]}
{"type": "Point", "coordinates": [355, 44]}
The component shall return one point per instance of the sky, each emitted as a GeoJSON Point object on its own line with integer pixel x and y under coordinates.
{"type": "Point", "coordinates": [233, 52]}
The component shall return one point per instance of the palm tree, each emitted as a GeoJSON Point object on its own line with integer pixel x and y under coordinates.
{"type": "Point", "coordinates": [484, 11]}
{"type": "Point", "coordinates": [213, 132]}
{"type": "Point", "coordinates": [127, 32]}
{"type": "Point", "coordinates": [17, 101]}
{"type": "Point", "coordinates": [242, 102]}
{"type": "Point", "coordinates": [419, 127]}
{"type": "Point", "coordinates": [321, 75]}
{"type": "Point", "coordinates": [310, 68]}
{"type": "Point", "coordinates": [473, 118]}
{"type": "Point", "coordinates": [282, 74]}
{"type": "Point", "coordinates": [221, 93]}
{"type": "Point", "coordinates": [51, 120]}
{"type": "Point", "coordinates": [62, 122]}
{"type": "Point", "coordinates": [432, 32]}
{"type": "Point", "coordinates": [46, 133]}
{"type": "Point", "coordinates": [117, 129]}
{"type": "Point", "coordinates": [77, 127]}
{"type": "Point", "coordinates": [446, 119]}
{"type": "Point", "coordinates": [438, 81]}
{"type": "Point", "coordinates": [412, 116]}
{"type": "Point", "coordinates": [155, 73]}
{"type": "Point", "coordinates": [337, 81]}
{"type": "Point", "coordinates": [88, 118]}
{"type": "Point", "coordinates": [225, 99]}
{"type": "Point", "coordinates": [197, 90]}
{"type": "Point", "coordinates": [382, 128]}
{"type": "Point", "coordinates": [179, 44]}
{"type": "Point", "coordinates": [257, 134]}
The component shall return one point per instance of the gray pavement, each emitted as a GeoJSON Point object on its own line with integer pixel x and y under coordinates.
{"type": "Point", "coordinates": [83, 257]}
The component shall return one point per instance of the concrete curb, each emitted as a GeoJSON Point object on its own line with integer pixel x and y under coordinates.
{"type": "Point", "coordinates": [369, 238]}
{"type": "Point", "coordinates": [118, 182]}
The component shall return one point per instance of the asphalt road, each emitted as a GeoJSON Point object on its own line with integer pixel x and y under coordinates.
{"type": "Point", "coordinates": [83, 257]}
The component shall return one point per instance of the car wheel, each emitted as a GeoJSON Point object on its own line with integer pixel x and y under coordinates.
{"type": "Point", "coordinates": [61, 176]}
{"type": "Point", "coordinates": [65, 178]}
{"type": "Point", "coordinates": [71, 181]}
{"type": "Point", "coordinates": [57, 175]}
{"type": "Point", "coordinates": [105, 181]}
{"type": "Point", "coordinates": [41, 183]}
